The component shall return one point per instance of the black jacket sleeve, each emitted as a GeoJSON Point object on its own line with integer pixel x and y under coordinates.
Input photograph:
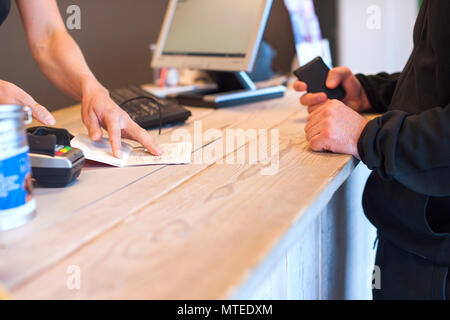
{"type": "Point", "coordinates": [379, 89]}
{"type": "Point", "coordinates": [412, 149]}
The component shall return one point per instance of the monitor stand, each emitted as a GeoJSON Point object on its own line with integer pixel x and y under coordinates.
{"type": "Point", "coordinates": [233, 88]}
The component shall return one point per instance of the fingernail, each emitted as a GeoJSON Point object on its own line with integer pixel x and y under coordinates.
{"type": "Point", "coordinates": [119, 154]}
{"type": "Point", "coordinates": [50, 120]}
{"type": "Point", "coordinates": [97, 135]}
{"type": "Point", "coordinates": [159, 150]}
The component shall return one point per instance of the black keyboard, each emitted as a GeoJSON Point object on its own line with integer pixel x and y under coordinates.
{"type": "Point", "coordinates": [145, 112]}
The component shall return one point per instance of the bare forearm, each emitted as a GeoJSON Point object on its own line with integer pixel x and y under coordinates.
{"type": "Point", "coordinates": [62, 61]}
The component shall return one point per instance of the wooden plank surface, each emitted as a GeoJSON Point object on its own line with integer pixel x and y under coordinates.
{"type": "Point", "coordinates": [48, 247]}
{"type": "Point", "coordinates": [96, 182]}
{"type": "Point", "coordinates": [195, 231]}
{"type": "Point", "coordinates": [201, 238]}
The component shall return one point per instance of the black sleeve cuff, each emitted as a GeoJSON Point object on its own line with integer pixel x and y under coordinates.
{"type": "Point", "coordinates": [377, 143]}
{"type": "Point", "coordinates": [378, 106]}
{"type": "Point", "coordinates": [366, 140]}
{"type": "Point", "coordinates": [380, 89]}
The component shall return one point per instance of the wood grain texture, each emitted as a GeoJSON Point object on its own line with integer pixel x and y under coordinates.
{"type": "Point", "coordinates": [203, 238]}
{"type": "Point", "coordinates": [329, 258]}
{"type": "Point", "coordinates": [105, 213]}
{"type": "Point", "coordinates": [196, 231]}
{"type": "Point", "coordinates": [96, 182]}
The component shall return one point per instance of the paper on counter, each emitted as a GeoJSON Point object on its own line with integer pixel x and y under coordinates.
{"type": "Point", "coordinates": [100, 151]}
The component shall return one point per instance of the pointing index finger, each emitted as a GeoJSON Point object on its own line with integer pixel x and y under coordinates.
{"type": "Point", "coordinates": [135, 132]}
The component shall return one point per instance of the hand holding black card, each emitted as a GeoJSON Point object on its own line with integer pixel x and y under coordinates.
{"type": "Point", "coordinates": [315, 74]}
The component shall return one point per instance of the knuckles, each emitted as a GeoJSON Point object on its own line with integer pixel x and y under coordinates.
{"type": "Point", "coordinates": [328, 112]}
{"type": "Point", "coordinates": [327, 133]}
{"type": "Point", "coordinates": [343, 70]}
{"type": "Point", "coordinates": [316, 145]}
{"type": "Point", "coordinates": [328, 121]}
{"type": "Point", "coordinates": [346, 70]}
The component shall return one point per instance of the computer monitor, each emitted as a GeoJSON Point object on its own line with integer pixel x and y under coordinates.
{"type": "Point", "coordinates": [218, 36]}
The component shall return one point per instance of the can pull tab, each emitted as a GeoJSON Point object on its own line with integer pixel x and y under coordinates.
{"type": "Point", "coordinates": [28, 115]}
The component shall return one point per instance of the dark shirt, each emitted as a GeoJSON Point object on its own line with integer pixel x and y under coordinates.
{"type": "Point", "coordinates": [407, 197]}
{"type": "Point", "coordinates": [5, 6]}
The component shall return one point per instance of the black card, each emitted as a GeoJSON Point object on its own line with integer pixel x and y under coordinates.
{"type": "Point", "coordinates": [315, 75]}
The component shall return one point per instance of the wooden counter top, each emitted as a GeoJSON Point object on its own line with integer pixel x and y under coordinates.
{"type": "Point", "coordinates": [197, 231]}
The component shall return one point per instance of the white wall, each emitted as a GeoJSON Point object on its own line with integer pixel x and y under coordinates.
{"type": "Point", "coordinates": [371, 50]}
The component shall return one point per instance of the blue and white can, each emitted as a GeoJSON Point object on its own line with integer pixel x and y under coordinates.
{"type": "Point", "coordinates": [17, 204]}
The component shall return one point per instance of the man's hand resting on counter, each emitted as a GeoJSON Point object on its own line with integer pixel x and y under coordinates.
{"type": "Point", "coordinates": [334, 125]}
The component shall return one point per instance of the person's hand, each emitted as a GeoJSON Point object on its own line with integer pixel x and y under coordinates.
{"type": "Point", "coordinates": [12, 94]}
{"type": "Point", "coordinates": [332, 126]}
{"type": "Point", "coordinates": [99, 111]}
{"type": "Point", "coordinates": [356, 97]}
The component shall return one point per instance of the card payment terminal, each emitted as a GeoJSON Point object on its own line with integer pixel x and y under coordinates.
{"type": "Point", "coordinates": [54, 163]}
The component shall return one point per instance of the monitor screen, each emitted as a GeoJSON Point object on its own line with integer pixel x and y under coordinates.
{"type": "Point", "coordinates": [212, 34]}
{"type": "Point", "coordinates": [212, 27]}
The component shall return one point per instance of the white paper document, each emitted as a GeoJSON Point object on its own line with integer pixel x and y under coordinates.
{"type": "Point", "coordinates": [100, 151]}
